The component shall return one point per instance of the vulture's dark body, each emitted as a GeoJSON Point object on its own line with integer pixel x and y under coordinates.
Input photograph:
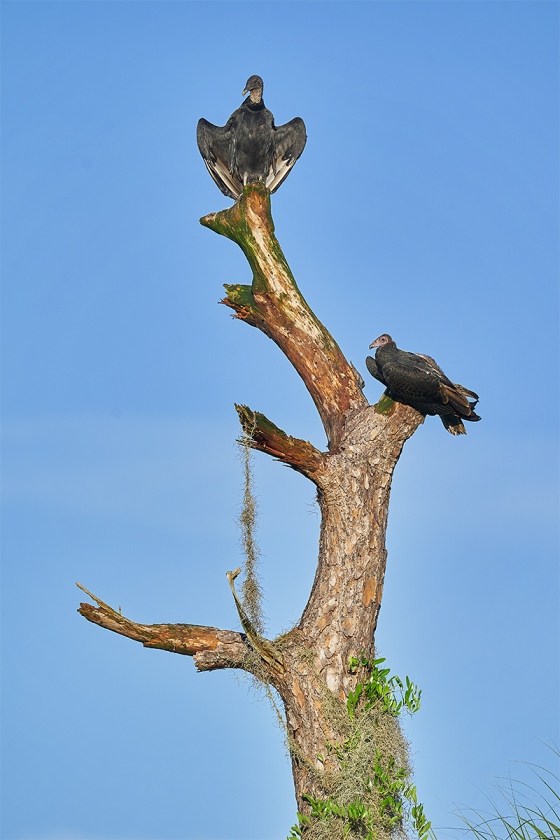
{"type": "Point", "coordinates": [418, 381]}
{"type": "Point", "coordinates": [250, 148]}
{"type": "Point", "coordinates": [252, 130]}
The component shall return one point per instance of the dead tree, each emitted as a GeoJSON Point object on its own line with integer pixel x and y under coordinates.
{"type": "Point", "coordinates": [307, 666]}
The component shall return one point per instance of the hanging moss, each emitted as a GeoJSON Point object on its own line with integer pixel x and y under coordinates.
{"type": "Point", "coordinates": [251, 590]}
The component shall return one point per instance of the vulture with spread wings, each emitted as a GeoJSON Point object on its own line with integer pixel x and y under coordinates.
{"type": "Point", "coordinates": [249, 147]}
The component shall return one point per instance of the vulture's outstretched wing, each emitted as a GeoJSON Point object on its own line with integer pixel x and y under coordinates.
{"type": "Point", "coordinates": [289, 143]}
{"type": "Point", "coordinates": [215, 145]}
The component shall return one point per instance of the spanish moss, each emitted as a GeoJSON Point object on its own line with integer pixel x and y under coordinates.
{"type": "Point", "coordinates": [251, 590]}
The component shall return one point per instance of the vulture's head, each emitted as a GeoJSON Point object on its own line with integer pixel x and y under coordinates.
{"type": "Point", "coordinates": [382, 341]}
{"type": "Point", "coordinates": [254, 88]}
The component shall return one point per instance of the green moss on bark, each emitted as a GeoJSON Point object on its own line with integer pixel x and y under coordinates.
{"type": "Point", "coordinates": [385, 405]}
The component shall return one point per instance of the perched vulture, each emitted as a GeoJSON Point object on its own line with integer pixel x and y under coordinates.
{"type": "Point", "coordinates": [249, 147]}
{"type": "Point", "coordinates": [417, 380]}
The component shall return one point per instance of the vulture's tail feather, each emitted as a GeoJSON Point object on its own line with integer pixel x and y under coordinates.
{"type": "Point", "coordinates": [453, 424]}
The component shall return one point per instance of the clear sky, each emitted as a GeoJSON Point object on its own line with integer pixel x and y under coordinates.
{"type": "Point", "coordinates": [425, 205]}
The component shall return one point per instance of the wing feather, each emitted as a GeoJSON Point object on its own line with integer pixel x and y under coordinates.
{"type": "Point", "coordinates": [289, 143]}
{"type": "Point", "coordinates": [413, 383]}
{"type": "Point", "coordinates": [373, 368]}
{"type": "Point", "coordinates": [215, 146]}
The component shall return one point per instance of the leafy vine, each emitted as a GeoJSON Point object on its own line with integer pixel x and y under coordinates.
{"type": "Point", "coordinates": [390, 800]}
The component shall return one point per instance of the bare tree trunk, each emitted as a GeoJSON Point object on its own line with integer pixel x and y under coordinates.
{"type": "Point", "coordinates": [309, 665]}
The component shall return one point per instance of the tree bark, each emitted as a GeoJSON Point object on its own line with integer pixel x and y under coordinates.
{"type": "Point", "coordinates": [211, 648]}
{"type": "Point", "coordinates": [309, 665]}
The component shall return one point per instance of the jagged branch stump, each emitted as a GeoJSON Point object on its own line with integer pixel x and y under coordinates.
{"type": "Point", "coordinates": [353, 480]}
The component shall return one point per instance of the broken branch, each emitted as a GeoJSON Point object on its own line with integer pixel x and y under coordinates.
{"type": "Point", "coordinates": [266, 437]}
{"type": "Point", "coordinates": [275, 305]}
{"type": "Point", "coordinates": [210, 647]}
{"type": "Point", "coordinates": [264, 648]}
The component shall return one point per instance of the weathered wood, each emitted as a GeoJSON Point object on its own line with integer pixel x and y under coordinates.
{"type": "Point", "coordinates": [353, 479]}
{"type": "Point", "coordinates": [309, 665]}
{"type": "Point", "coordinates": [275, 305]}
{"type": "Point", "coordinates": [264, 436]}
{"type": "Point", "coordinates": [211, 648]}
{"type": "Point", "coordinates": [271, 656]}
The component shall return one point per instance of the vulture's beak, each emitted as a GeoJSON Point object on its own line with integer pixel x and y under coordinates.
{"type": "Point", "coordinates": [244, 92]}
{"type": "Point", "coordinates": [372, 345]}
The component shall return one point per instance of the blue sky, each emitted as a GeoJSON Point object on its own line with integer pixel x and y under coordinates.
{"type": "Point", "coordinates": [425, 205]}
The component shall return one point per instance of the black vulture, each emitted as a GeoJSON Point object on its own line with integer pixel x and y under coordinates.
{"type": "Point", "coordinates": [249, 147]}
{"type": "Point", "coordinates": [418, 381]}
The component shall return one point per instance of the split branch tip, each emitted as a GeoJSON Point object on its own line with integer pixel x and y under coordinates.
{"type": "Point", "coordinates": [97, 600]}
